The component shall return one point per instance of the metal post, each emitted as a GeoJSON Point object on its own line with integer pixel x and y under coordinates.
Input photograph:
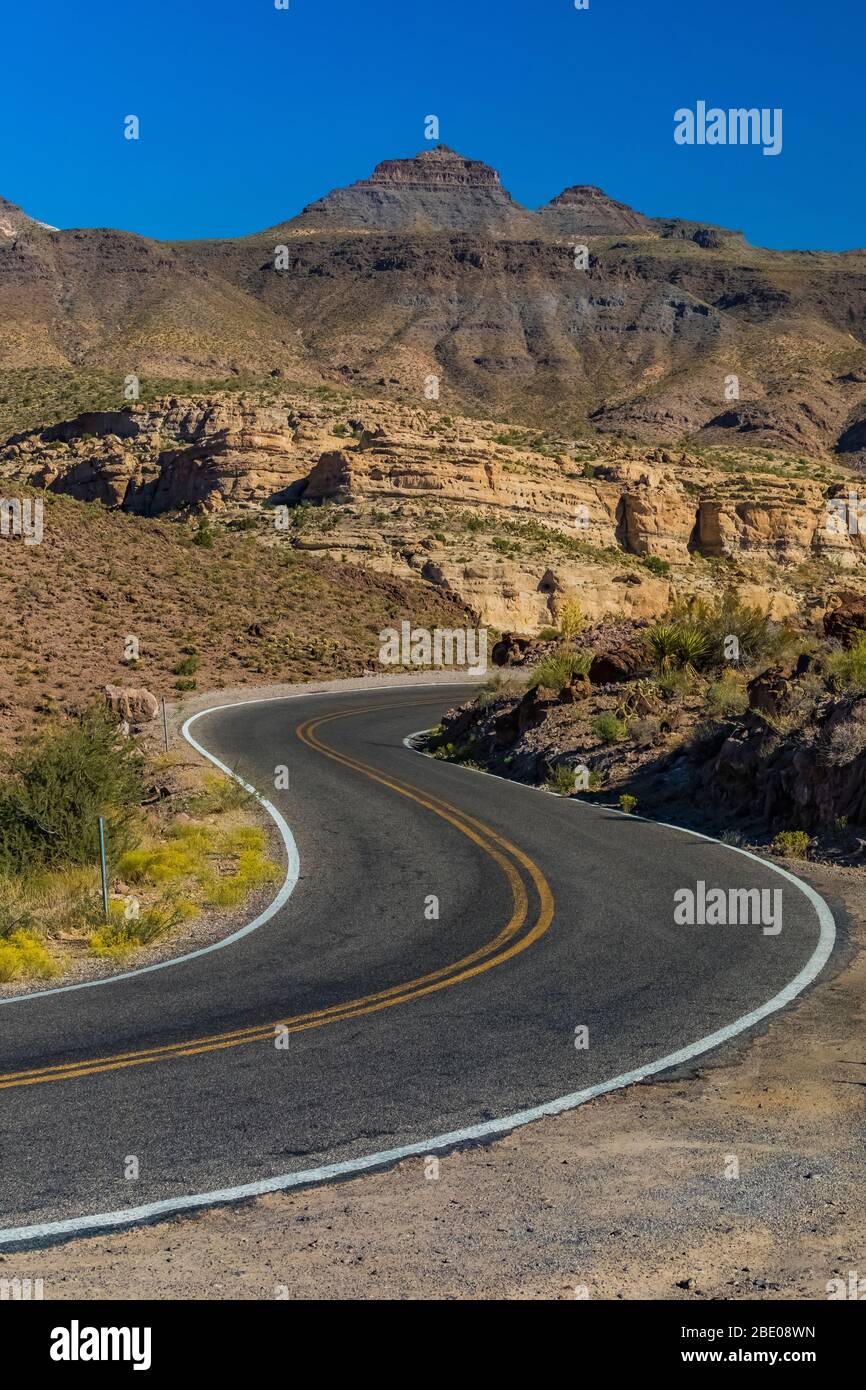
{"type": "Point", "coordinates": [103, 866]}
{"type": "Point", "coordinates": [165, 723]}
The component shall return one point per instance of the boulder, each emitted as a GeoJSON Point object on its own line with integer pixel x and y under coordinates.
{"type": "Point", "coordinates": [846, 622]}
{"type": "Point", "coordinates": [769, 692]}
{"type": "Point", "coordinates": [618, 661]}
{"type": "Point", "coordinates": [578, 688]}
{"type": "Point", "coordinates": [133, 705]}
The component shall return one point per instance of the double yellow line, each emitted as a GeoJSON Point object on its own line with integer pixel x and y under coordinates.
{"type": "Point", "coordinates": [514, 937]}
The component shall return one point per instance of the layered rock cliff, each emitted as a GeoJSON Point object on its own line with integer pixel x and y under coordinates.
{"type": "Point", "coordinates": [513, 525]}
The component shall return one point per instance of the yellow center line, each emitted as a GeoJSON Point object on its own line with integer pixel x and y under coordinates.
{"type": "Point", "coordinates": [499, 949]}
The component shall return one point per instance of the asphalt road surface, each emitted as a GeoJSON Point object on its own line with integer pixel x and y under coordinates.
{"type": "Point", "coordinates": [356, 1023]}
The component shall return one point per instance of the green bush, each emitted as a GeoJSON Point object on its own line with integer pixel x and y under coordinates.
{"type": "Point", "coordinates": [187, 667]}
{"type": "Point", "coordinates": [679, 641]}
{"type": "Point", "coordinates": [561, 780]}
{"type": "Point", "coordinates": [848, 668]}
{"type": "Point", "coordinates": [609, 728]}
{"type": "Point", "coordinates": [571, 619]}
{"type": "Point", "coordinates": [56, 787]}
{"type": "Point", "coordinates": [727, 696]}
{"type": "Point", "coordinates": [628, 804]}
{"type": "Point", "coordinates": [792, 844]}
{"type": "Point", "coordinates": [725, 617]}
{"type": "Point", "coordinates": [559, 668]}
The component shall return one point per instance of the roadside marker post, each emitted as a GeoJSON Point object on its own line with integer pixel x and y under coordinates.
{"type": "Point", "coordinates": [165, 723]}
{"type": "Point", "coordinates": [103, 866]}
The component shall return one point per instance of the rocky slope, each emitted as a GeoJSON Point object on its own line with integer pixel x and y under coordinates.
{"type": "Point", "coordinates": [777, 745]}
{"type": "Point", "coordinates": [13, 220]}
{"type": "Point", "coordinates": [206, 616]}
{"type": "Point", "coordinates": [429, 269]}
{"type": "Point", "coordinates": [511, 522]}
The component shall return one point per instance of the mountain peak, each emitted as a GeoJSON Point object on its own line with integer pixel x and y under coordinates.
{"type": "Point", "coordinates": [434, 190]}
{"type": "Point", "coordinates": [583, 209]}
{"type": "Point", "coordinates": [440, 167]}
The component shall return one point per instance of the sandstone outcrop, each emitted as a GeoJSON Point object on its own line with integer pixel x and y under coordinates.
{"type": "Point", "coordinates": [515, 530]}
{"type": "Point", "coordinates": [175, 455]}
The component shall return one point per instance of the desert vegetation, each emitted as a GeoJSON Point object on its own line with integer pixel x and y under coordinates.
{"type": "Point", "coordinates": [715, 714]}
{"type": "Point", "coordinates": [170, 857]}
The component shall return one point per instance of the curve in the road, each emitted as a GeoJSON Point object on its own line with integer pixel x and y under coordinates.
{"type": "Point", "coordinates": [485, 956]}
{"type": "Point", "coordinates": [510, 941]}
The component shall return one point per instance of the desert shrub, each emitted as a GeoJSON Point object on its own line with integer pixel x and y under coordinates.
{"type": "Point", "coordinates": [792, 844]}
{"type": "Point", "coordinates": [499, 684]}
{"type": "Point", "coordinates": [663, 640]}
{"type": "Point", "coordinates": [444, 751]}
{"type": "Point", "coordinates": [727, 697]}
{"type": "Point", "coordinates": [733, 837]}
{"type": "Point", "coordinates": [561, 780]}
{"type": "Point", "coordinates": [203, 535]}
{"type": "Point", "coordinates": [848, 668]}
{"type": "Point", "coordinates": [657, 566]}
{"type": "Point", "coordinates": [681, 642]}
{"type": "Point", "coordinates": [220, 795]}
{"type": "Point", "coordinates": [720, 619]}
{"type": "Point", "coordinates": [23, 957]}
{"type": "Point", "coordinates": [120, 934]}
{"type": "Point", "coordinates": [548, 634]}
{"type": "Point", "coordinates": [628, 803]}
{"type": "Point", "coordinates": [56, 787]}
{"type": "Point", "coordinates": [220, 866]}
{"type": "Point", "coordinates": [187, 667]}
{"type": "Point", "coordinates": [844, 743]}
{"type": "Point", "coordinates": [675, 683]}
{"type": "Point", "coordinates": [559, 668]}
{"type": "Point", "coordinates": [571, 620]}
{"type": "Point", "coordinates": [609, 728]}
{"type": "Point", "coordinates": [15, 916]}
{"type": "Point", "coordinates": [253, 870]}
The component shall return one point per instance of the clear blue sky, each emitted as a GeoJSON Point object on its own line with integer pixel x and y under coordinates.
{"type": "Point", "coordinates": [248, 112]}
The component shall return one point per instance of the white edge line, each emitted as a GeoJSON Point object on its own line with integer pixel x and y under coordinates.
{"type": "Point", "coordinates": [173, 1206]}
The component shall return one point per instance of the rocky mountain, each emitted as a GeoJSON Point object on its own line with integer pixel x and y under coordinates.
{"type": "Point", "coordinates": [437, 190]}
{"type": "Point", "coordinates": [428, 281]}
{"type": "Point", "coordinates": [587, 211]}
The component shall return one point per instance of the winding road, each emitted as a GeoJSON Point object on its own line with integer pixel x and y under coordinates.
{"type": "Point", "coordinates": [353, 1025]}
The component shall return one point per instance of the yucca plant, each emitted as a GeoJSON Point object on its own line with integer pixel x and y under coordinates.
{"type": "Point", "coordinates": [692, 645]}
{"type": "Point", "coordinates": [663, 640]}
{"type": "Point", "coordinates": [559, 668]}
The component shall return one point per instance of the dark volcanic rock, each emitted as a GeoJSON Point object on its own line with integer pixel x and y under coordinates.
{"type": "Point", "coordinates": [847, 622]}
{"type": "Point", "coordinates": [618, 661]}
